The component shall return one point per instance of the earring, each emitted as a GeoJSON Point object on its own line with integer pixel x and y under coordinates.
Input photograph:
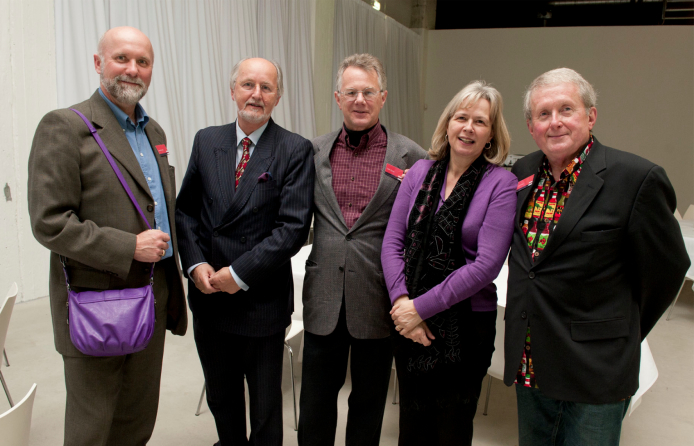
{"type": "Point", "coordinates": [488, 146]}
{"type": "Point", "coordinates": [445, 136]}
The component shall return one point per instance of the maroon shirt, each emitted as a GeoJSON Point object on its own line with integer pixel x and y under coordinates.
{"type": "Point", "coordinates": [357, 171]}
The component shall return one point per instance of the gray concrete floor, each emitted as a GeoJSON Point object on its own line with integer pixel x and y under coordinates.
{"type": "Point", "coordinates": [665, 417]}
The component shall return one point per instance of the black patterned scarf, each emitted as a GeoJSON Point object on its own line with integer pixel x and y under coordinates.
{"type": "Point", "coordinates": [433, 250]}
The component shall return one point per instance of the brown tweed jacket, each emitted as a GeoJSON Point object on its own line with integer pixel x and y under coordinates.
{"type": "Point", "coordinates": [79, 209]}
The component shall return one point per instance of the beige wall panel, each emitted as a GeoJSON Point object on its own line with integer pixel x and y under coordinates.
{"type": "Point", "coordinates": [644, 77]}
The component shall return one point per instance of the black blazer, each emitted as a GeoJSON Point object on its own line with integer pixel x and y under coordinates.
{"type": "Point", "coordinates": [256, 228]}
{"type": "Point", "coordinates": [612, 266]}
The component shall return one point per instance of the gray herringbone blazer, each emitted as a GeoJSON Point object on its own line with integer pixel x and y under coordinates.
{"type": "Point", "coordinates": [346, 261]}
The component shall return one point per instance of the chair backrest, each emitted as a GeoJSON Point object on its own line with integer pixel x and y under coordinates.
{"type": "Point", "coordinates": [689, 215]}
{"type": "Point", "coordinates": [15, 424]}
{"type": "Point", "coordinates": [5, 313]}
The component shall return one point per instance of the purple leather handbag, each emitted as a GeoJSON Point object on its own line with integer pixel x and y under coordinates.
{"type": "Point", "coordinates": [111, 322]}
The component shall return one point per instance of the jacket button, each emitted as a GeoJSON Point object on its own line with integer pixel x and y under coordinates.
{"type": "Point", "coordinates": [524, 315]}
{"type": "Point", "coordinates": [145, 270]}
{"type": "Point", "coordinates": [341, 268]}
{"type": "Point", "coordinates": [209, 201]}
{"type": "Point", "coordinates": [243, 239]}
{"type": "Point", "coordinates": [531, 275]}
{"type": "Point", "coordinates": [349, 237]}
{"type": "Point", "coordinates": [150, 207]}
{"type": "Point", "coordinates": [255, 210]}
{"type": "Point", "coordinates": [215, 233]}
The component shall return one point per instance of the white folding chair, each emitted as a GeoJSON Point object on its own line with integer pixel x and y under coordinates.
{"type": "Point", "coordinates": [295, 329]}
{"type": "Point", "coordinates": [5, 314]}
{"type": "Point", "coordinates": [689, 215]}
{"type": "Point", "coordinates": [15, 424]}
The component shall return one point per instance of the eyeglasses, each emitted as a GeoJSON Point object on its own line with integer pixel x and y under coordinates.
{"type": "Point", "coordinates": [368, 94]}
{"type": "Point", "coordinates": [264, 88]}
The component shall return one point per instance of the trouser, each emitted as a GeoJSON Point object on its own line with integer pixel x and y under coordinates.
{"type": "Point", "coordinates": [113, 400]}
{"type": "Point", "coordinates": [438, 409]}
{"type": "Point", "coordinates": [226, 360]}
{"type": "Point", "coordinates": [323, 375]}
{"type": "Point", "coordinates": [544, 421]}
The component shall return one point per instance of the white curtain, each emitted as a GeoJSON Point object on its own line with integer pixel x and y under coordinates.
{"type": "Point", "coordinates": [361, 29]}
{"type": "Point", "coordinates": [196, 42]}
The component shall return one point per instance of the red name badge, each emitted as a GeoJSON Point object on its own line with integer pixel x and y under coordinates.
{"type": "Point", "coordinates": [393, 171]}
{"type": "Point", "coordinates": [161, 148]}
{"type": "Point", "coordinates": [522, 184]}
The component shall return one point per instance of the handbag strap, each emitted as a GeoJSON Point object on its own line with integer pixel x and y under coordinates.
{"type": "Point", "coordinates": [112, 162]}
{"type": "Point", "coordinates": [115, 168]}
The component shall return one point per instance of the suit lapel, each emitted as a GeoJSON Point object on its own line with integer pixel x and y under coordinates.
{"type": "Point", "coordinates": [260, 161]}
{"type": "Point", "coordinates": [324, 176]}
{"type": "Point", "coordinates": [225, 164]}
{"type": "Point", "coordinates": [585, 190]}
{"type": "Point", "coordinates": [162, 163]}
{"type": "Point", "coordinates": [395, 155]}
{"type": "Point", "coordinates": [115, 140]}
{"type": "Point", "coordinates": [534, 160]}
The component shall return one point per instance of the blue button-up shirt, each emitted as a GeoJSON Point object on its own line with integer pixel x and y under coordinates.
{"type": "Point", "coordinates": [148, 162]}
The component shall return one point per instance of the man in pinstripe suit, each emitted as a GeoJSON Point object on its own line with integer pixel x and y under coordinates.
{"type": "Point", "coordinates": [243, 211]}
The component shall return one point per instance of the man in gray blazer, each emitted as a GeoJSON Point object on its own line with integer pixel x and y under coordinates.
{"type": "Point", "coordinates": [80, 211]}
{"type": "Point", "coordinates": [346, 304]}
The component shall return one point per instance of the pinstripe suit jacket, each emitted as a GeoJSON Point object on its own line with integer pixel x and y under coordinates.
{"type": "Point", "coordinates": [256, 228]}
{"type": "Point", "coordinates": [348, 261]}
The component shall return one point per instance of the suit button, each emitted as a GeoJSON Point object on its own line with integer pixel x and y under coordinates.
{"type": "Point", "coordinates": [341, 268]}
{"type": "Point", "coordinates": [531, 275]}
{"type": "Point", "coordinates": [215, 234]}
{"type": "Point", "coordinates": [150, 207]}
{"type": "Point", "coordinates": [524, 315]}
{"type": "Point", "coordinates": [243, 239]}
{"type": "Point", "coordinates": [349, 237]}
{"type": "Point", "coordinates": [144, 270]}
{"type": "Point", "coordinates": [255, 210]}
{"type": "Point", "coordinates": [209, 201]}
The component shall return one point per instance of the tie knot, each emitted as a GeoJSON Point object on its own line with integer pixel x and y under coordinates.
{"type": "Point", "coordinates": [246, 143]}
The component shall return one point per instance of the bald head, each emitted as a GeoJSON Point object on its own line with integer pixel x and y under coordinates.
{"type": "Point", "coordinates": [123, 33]}
{"type": "Point", "coordinates": [124, 63]}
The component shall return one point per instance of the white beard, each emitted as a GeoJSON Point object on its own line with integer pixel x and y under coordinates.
{"type": "Point", "coordinates": [127, 95]}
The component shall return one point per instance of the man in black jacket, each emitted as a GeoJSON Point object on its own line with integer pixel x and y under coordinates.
{"type": "Point", "coordinates": [597, 257]}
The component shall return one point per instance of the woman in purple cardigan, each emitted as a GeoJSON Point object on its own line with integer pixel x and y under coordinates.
{"type": "Point", "coordinates": [448, 235]}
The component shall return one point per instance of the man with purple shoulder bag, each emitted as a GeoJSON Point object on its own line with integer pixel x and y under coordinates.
{"type": "Point", "coordinates": [101, 199]}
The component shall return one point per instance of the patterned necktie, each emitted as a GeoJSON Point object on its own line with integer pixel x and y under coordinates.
{"type": "Point", "coordinates": [246, 143]}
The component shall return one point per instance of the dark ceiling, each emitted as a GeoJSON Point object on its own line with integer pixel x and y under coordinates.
{"type": "Point", "coordinates": [462, 14]}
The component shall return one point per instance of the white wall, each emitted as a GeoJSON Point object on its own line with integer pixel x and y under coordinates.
{"type": "Point", "coordinates": [27, 74]}
{"type": "Point", "coordinates": [644, 77]}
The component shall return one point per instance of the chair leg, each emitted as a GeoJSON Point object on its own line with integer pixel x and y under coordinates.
{"type": "Point", "coordinates": [395, 389]}
{"type": "Point", "coordinates": [489, 389]}
{"type": "Point", "coordinates": [672, 307]}
{"type": "Point", "coordinates": [291, 368]}
{"type": "Point", "coordinates": [7, 392]}
{"type": "Point", "coordinates": [7, 361]}
{"type": "Point", "coordinates": [202, 395]}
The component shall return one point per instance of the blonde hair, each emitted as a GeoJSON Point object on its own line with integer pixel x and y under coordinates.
{"type": "Point", "coordinates": [468, 96]}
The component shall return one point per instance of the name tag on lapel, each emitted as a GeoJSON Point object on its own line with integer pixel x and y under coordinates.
{"type": "Point", "coordinates": [393, 171]}
{"type": "Point", "coordinates": [163, 151]}
{"type": "Point", "coordinates": [526, 182]}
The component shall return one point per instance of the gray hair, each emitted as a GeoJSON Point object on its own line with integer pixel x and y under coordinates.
{"type": "Point", "coordinates": [237, 67]}
{"type": "Point", "coordinates": [366, 62]}
{"type": "Point", "coordinates": [467, 97]}
{"type": "Point", "coordinates": [561, 76]}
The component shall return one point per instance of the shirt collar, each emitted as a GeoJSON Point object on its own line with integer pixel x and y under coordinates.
{"type": "Point", "coordinates": [254, 137]}
{"type": "Point", "coordinates": [575, 163]}
{"type": "Point", "coordinates": [141, 115]}
{"type": "Point", "coordinates": [364, 142]}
